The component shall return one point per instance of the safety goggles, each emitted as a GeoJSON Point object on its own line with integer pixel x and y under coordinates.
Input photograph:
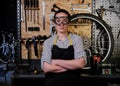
{"type": "Point", "coordinates": [63, 20]}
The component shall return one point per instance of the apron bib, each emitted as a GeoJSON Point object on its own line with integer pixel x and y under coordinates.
{"type": "Point", "coordinates": [67, 78]}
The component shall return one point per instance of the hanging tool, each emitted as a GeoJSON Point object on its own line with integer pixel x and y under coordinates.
{"type": "Point", "coordinates": [55, 8]}
{"type": "Point", "coordinates": [39, 38]}
{"type": "Point", "coordinates": [43, 13]}
{"type": "Point", "coordinates": [27, 8]}
{"type": "Point", "coordinates": [26, 16]}
{"type": "Point", "coordinates": [28, 46]}
{"type": "Point", "coordinates": [35, 45]}
{"type": "Point", "coordinates": [34, 8]}
{"type": "Point", "coordinates": [22, 12]}
{"type": "Point", "coordinates": [31, 8]}
{"type": "Point", "coordinates": [37, 5]}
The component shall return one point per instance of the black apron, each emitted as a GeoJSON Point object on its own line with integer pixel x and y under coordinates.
{"type": "Point", "coordinates": [68, 78]}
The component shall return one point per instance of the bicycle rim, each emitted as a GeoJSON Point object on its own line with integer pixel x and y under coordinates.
{"type": "Point", "coordinates": [102, 41]}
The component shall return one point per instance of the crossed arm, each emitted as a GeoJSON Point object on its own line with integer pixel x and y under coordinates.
{"type": "Point", "coordinates": [58, 65]}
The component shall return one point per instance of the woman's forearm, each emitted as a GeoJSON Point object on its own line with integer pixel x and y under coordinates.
{"type": "Point", "coordinates": [70, 64]}
{"type": "Point", "coordinates": [53, 68]}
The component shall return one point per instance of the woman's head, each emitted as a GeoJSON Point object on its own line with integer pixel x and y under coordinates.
{"type": "Point", "coordinates": [61, 17]}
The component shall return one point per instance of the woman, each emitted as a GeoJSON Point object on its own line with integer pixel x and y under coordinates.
{"type": "Point", "coordinates": [63, 54]}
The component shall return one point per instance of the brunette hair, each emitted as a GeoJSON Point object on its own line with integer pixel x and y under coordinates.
{"type": "Point", "coordinates": [62, 11]}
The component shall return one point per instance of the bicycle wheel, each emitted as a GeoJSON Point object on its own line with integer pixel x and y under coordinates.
{"type": "Point", "coordinates": [101, 40]}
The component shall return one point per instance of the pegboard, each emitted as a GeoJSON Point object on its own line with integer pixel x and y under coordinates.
{"type": "Point", "coordinates": [109, 16]}
{"type": "Point", "coordinates": [34, 18]}
{"type": "Point", "coordinates": [112, 16]}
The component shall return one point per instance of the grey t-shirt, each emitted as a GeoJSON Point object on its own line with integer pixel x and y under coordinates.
{"type": "Point", "coordinates": [77, 44]}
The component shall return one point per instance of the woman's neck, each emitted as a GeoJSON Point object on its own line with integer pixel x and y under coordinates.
{"type": "Point", "coordinates": [62, 36]}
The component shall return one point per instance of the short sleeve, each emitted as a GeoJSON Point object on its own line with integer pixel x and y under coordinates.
{"type": "Point", "coordinates": [46, 53]}
{"type": "Point", "coordinates": [79, 48]}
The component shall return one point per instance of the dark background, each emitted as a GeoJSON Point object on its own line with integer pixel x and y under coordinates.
{"type": "Point", "coordinates": [8, 15]}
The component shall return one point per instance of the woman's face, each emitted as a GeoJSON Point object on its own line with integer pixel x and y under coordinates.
{"type": "Point", "coordinates": [61, 21]}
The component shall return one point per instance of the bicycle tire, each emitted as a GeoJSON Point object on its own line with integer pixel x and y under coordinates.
{"type": "Point", "coordinates": [107, 35]}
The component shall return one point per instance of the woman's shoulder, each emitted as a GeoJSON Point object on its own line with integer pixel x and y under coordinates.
{"type": "Point", "coordinates": [75, 36]}
{"type": "Point", "coordinates": [50, 39]}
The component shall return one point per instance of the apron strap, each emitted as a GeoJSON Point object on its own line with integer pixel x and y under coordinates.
{"type": "Point", "coordinates": [69, 38]}
{"type": "Point", "coordinates": [55, 41]}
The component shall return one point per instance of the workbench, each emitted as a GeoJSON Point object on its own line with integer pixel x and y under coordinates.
{"type": "Point", "coordinates": [86, 78]}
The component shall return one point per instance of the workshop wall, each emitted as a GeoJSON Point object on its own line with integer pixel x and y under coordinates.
{"type": "Point", "coordinates": [36, 20]}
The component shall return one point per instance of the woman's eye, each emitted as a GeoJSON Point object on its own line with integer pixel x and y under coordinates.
{"type": "Point", "coordinates": [65, 21]}
{"type": "Point", "coordinates": [58, 20]}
